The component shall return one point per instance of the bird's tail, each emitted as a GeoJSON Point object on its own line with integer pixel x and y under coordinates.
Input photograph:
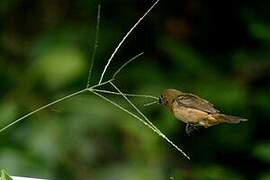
{"type": "Point", "coordinates": [228, 118]}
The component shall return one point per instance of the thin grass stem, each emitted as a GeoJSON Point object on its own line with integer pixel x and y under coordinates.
{"type": "Point", "coordinates": [125, 64]}
{"type": "Point", "coordinates": [122, 108]}
{"type": "Point", "coordinates": [124, 38]}
{"type": "Point", "coordinates": [98, 85]}
{"type": "Point", "coordinates": [41, 108]}
{"type": "Point", "coordinates": [134, 107]}
{"type": "Point", "coordinates": [94, 48]}
{"type": "Point", "coordinates": [150, 103]}
{"type": "Point", "coordinates": [50, 104]}
{"type": "Point", "coordinates": [131, 95]}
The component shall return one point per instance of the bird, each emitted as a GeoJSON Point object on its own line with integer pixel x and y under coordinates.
{"type": "Point", "coordinates": [196, 112]}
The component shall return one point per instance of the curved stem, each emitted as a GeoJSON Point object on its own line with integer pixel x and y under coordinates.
{"type": "Point", "coordinates": [124, 38]}
{"type": "Point", "coordinates": [125, 64]}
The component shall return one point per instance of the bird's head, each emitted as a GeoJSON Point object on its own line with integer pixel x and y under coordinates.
{"type": "Point", "coordinates": [168, 96]}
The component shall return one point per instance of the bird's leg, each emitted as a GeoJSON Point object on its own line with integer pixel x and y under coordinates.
{"type": "Point", "coordinates": [188, 129]}
{"type": "Point", "coordinates": [191, 127]}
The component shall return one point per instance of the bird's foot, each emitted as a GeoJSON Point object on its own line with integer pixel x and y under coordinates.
{"type": "Point", "coordinates": [191, 127]}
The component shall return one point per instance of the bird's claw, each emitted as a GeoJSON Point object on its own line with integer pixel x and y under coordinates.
{"type": "Point", "coordinates": [191, 127]}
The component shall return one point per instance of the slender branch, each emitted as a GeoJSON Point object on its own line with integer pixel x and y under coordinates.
{"type": "Point", "coordinates": [151, 124]}
{"type": "Point", "coordinates": [94, 48]}
{"type": "Point", "coordinates": [131, 95]}
{"type": "Point", "coordinates": [125, 64]}
{"type": "Point", "coordinates": [124, 38]}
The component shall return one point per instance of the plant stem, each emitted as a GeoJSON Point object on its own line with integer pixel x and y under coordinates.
{"type": "Point", "coordinates": [94, 48]}
{"type": "Point", "coordinates": [41, 108]}
{"type": "Point", "coordinates": [124, 38]}
{"type": "Point", "coordinates": [131, 95]}
{"type": "Point", "coordinates": [50, 104]}
{"type": "Point", "coordinates": [125, 64]}
{"type": "Point", "coordinates": [150, 103]}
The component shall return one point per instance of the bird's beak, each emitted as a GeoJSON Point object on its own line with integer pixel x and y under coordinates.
{"type": "Point", "coordinates": [160, 100]}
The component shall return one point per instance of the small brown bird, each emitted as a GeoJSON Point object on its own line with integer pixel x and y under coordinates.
{"type": "Point", "coordinates": [194, 111]}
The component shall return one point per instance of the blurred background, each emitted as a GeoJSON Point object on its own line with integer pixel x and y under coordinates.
{"type": "Point", "coordinates": [218, 50]}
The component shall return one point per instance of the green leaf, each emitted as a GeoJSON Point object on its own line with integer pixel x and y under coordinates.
{"type": "Point", "coordinates": [4, 175]}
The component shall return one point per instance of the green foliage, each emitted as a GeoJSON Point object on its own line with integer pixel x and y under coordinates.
{"type": "Point", "coordinates": [4, 175]}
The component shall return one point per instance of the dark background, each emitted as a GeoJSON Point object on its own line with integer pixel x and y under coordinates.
{"type": "Point", "coordinates": [218, 50]}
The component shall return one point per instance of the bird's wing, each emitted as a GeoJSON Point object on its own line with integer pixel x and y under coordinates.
{"type": "Point", "coordinates": [193, 101]}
